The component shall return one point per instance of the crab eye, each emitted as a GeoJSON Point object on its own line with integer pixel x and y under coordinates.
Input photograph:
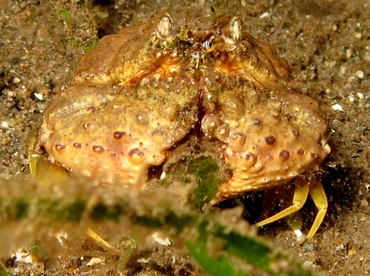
{"type": "Point", "coordinates": [164, 27]}
{"type": "Point", "coordinates": [235, 28]}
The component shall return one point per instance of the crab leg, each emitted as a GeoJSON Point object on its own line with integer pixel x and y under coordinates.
{"type": "Point", "coordinates": [300, 196]}
{"type": "Point", "coordinates": [318, 195]}
{"type": "Point", "coordinates": [303, 187]}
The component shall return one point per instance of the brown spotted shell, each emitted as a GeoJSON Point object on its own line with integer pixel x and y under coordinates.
{"type": "Point", "coordinates": [141, 91]}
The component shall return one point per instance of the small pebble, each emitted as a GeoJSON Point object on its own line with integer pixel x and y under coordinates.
{"type": "Point", "coordinates": [4, 124]}
{"type": "Point", "coordinates": [358, 35]}
{"type": "Point", "coordinates": [349, 53]}
{"type": "Point", "coordinates": [360, 74]}
{"type": "Point", "coordinates": [16, 80]}
{"type": "Point", "coordinates": [360, 95]}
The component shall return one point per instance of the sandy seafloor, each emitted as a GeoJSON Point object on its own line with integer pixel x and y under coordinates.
{"type": "Point", "coordinates": [327, 44]}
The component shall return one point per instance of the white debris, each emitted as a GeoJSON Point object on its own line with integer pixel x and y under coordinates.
{"type": "Point", "coordinates": [161, 240]}
{"type": "Point", "coordinates": [339, 247]}
{"type": "Point", "coordinates": [337, 107]}
{"type": "Point", "coordinates": [264, 15]}
{"type": "Point", "coordinates": [360, 95]}
{"type": "Point", "coordinates": [39, 96]}
{"type": "Point", "coordinates": [143, 261]}
{"type": "Point", "coordinates": [23, 256]}
{"type": "Point", "coordinates": [94, 261]}
{"type": "Point", "coordinates": [360, 74]}
{"type": "Point", "coordinates": [61, 236]}
{"type": "Point", "coordinates": [4, 124]}
{"type": "Point", "coordinates": [298, 233]}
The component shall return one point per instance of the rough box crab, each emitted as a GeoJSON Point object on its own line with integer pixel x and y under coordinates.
{"type": "Point", "coordinates": [141, 91]}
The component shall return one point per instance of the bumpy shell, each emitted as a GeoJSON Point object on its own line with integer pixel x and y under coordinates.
{"type": "Point", "coordinates": [141, 91]}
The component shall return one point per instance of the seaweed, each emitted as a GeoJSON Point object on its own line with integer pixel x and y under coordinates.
{"type": "Point", "coordinates": [218, 248]}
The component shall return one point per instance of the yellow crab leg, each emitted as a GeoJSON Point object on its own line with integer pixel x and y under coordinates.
{"type": "Point", "coordinates": [318, 195]}
{"type": "Point", "coordinates": [98, 239]}
{"type": "Point", "coordinates": [42, 169]}
{"type": "Point", "coordinates": [300, 196]}
{"type": "Point", "coordinates": [46, 174]}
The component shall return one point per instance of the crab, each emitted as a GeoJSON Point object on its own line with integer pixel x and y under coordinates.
{"type": "Point", "coordinates": [140, 92]}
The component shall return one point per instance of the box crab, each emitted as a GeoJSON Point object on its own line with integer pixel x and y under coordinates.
{"type": "Point", "coordinates": [141, 91]}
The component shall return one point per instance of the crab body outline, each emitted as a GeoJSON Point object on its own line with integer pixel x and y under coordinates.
{"type": "Point", "coordinates": [141, 91]}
